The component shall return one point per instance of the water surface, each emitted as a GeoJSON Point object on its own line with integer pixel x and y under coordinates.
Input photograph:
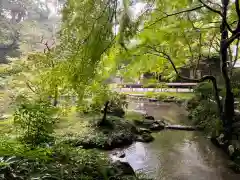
{"type": "Point", "coordinates": [177, 155]}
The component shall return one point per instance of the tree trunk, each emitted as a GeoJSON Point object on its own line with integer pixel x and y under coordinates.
{"type": "Point", "coordinates": [103, 122]}
{"type": "Point", "coordinates": [55, 100]}
{"type": "Point", "coordinates": [228, 111]}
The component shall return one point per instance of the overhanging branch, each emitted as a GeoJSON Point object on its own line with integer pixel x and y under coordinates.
{"type": "Point", "coordinates": [232, 38]}
{"type": "Point", "coordinates": [218, 12]}
{"type": "Point", "coordinates": [210, 8]}
{"type": "Point", "coordinates": [236, 56]}
{"type": "Point", "coordinates": [237, 8]}
{"type": "Point", "coordinates": [202, 79]}
{"type": "Point", "coordinates": [173, 14]}
{"type": "Point", "coordinates": [238, 14]}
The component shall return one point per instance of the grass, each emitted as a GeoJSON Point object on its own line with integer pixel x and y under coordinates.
{"type": "Point", "coordinates": [84, 131]}
{"type": "Point", "coordinates": [131, 115]}
{"type": "Point", "coordinates": [6, 126]}
{"type": "Point", "coordinates": [74, 124]}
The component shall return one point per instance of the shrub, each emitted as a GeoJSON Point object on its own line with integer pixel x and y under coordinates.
{"type": "Point", "coordinates": [12, 147]}
{"type": "Point", "coordinates": [63, 163]}
{"type": "Point", "coordinates": [193, 103]}
{"type": "Point", "coordinates": [35, 121]}
{"type": "Point", "coordinates": [205, 116]}
{"type": "Point", "coordinates": [117, 103]}
{"type": "Point", "coordinates": [204, 90]}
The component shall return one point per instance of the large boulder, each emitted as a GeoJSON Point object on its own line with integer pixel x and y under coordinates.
{"type": "Point", "coordinates": [220, 139]}
{"type": "Point", "coordinates": [152, 125]}
{"type": "Point", "coordinates": [116, 111]}
{"type": "Point", "coordinates": [123, 168]}
{"type": "Point", "coordinates": [119, 154]}
{"type": "Point", "coordinates": [149, 117]}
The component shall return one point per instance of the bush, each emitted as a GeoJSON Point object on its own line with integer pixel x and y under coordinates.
{"type": "Point", "coordinates": [204, 90]}
{"type": "Point", "coordinates": [35, 121]}
{"type": "Point", "coordinates": [12, 147]}
{"type": "Point", "coordinates": [64, 162]}
{"type": "Point", "coordinates": [205, 115]}
{"type": "Point", "coordinates": [193, 103]}
{"type": "Point", "coordinates": [117, 103]}
{"type": "Point", "coordinates": [118, 133]}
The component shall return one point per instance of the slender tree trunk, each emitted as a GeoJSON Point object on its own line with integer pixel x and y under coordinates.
{"type": "Point", "coordinates": [228, 111]}
{"type": "Point", "coordinates": [55, 100]}
{"type": "Point", "coordinates": [103, 122]}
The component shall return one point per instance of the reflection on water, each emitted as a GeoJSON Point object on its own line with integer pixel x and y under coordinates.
{"type": "Point", "coordinates": [178, 155]}
{"type": "Point", "coordinates": [168, 111]}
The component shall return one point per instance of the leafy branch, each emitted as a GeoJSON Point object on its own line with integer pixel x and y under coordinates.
{"type": "Point", "coordinates": [202, 79]}
{"type": "Point", "coordinates": [173, 14]}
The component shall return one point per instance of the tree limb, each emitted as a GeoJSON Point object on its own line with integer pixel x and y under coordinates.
{"type": "Point", "coordinates": [232, 38]}
{"type": "Point", "coordinates": [236, 56]}
{"type": "Point", "coordinates": [173, 14]}
{"type": "Point", "coordinates": [202, 79]}
{"type": "Point", "coordinates": [210, 8]}
{"type": "Point", "coordinates": [237, 8]}
{"type": "Point", "coordinates": [214, 3]}
{"type": "Point", "coordinates": [218, 12]}
{"type": "Point", "coordinates": [30, 87]}
{"type": "Point", "coordinates": [199, 54]}
{"type": "Point", "coordinates": [230, 56]}
{"type": "Point", "coordinates": [211, 45]}
{"type": "Point", "coordinates": [233, 62]}
{"type": "Point", "coordinates": [189, 47]}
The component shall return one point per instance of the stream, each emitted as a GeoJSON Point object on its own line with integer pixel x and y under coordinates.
{"type": "Point", "coordinates": [176, 155]}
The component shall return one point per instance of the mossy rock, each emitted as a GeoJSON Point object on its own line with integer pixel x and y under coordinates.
{"type": "Point", "coordinates": [145, 137]}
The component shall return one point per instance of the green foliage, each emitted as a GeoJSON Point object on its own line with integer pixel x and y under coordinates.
{"type": "Point", "coordinates": [204, 90]}
{"type": "Point", "coordinates": [181, 36]}
{"type": "Point", "coordinates": [236, 83]}
{"type": "Point", "coordinates": [118, 103]}
{"type": "Point", "coordinates": [11, 147]}
{"type": "Point", "coordinates": [86, 35]}
{"type": "Point", "coordinates": [203, 110]}
{"type": "Point", "coordinates": [61, 162]}
{"type": "Point", "coordinates": [35, 121]}
{"type": "Point", "coordinates": [121, 132]}
{"type": "Point", "coordinates": [96, 98]}
{"type": "Point", "coordinates": [205, 115]}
